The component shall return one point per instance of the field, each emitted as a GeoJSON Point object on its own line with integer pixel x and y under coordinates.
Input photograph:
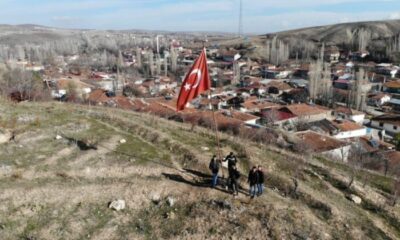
{"type": "Point", "coordinates": [68, 162]}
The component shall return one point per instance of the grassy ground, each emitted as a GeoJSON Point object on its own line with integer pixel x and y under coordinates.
{"type": "Point", "coordinates": [54, 189]}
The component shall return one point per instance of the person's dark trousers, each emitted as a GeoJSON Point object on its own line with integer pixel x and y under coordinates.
{"type": "Point", "coordinates": [235, 187]}
{"type": "Point", "coordinates": [260, 189]}
{"type": "Point", "coordinates": [214, 180]}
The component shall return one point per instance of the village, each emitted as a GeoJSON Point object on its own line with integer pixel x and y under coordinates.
{"type": "Point", "coordinates": [340, 103]}
{"type": "Point", "coordinates": [202, 119]}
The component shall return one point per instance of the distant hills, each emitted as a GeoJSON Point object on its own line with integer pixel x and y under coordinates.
{"type": "Point", "coordinates": [343, 33]}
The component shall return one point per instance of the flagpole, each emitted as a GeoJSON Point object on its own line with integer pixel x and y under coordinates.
{"type": "Point", "coordinates": [219, 153]}
{"type": "Point", "coordinates": [216, 133]}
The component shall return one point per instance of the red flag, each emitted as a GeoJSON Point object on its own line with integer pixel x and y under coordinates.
{"type": "Point", "coordinates": [196, 82]}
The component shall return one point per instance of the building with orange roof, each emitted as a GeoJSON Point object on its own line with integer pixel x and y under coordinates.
{"type": "Point", "coordinates": [348, 129]}
{"type": "Point", "coordinates": [329, 146]}
{"type": "Point", "coordinates": [277, 87]}
{"type": "Point", "coordinates": [392, 87]}
{"type": "Point", "coordinates": [307, 112]}
{"type": "Point", "coordinates": [349, 114]}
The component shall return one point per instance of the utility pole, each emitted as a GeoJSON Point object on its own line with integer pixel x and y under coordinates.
{"type": "Point", "coordinates": [241, 19]}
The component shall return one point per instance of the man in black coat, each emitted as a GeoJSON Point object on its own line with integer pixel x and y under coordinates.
{"type": "Point", "coordinates": [232, 160]}
{"type": "Point", "coordinates": [260, 183]}
{"type": "Point", "coordinates": [253, 180]}
{"type": "Point", "coordinates": [234, 175]}
{"type": "Point", "coordinates": [214, 167]}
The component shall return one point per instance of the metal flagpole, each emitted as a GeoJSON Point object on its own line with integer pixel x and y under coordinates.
{"type": "Point", "coordinates": [219, 153]}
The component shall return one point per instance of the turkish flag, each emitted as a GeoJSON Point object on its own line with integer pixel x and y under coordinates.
{"type": "Point", "coordinates": [196, 82]}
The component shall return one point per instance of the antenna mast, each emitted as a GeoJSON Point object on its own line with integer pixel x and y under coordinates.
{"type": "Point", "coordinates": [241, 19]}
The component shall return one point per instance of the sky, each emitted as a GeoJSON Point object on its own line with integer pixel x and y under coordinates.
{"type": "Point", "coordinates": [259, 16]}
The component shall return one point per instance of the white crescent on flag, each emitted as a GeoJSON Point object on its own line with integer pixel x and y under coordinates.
{"type": "Point", "coordinates": [198, 72]}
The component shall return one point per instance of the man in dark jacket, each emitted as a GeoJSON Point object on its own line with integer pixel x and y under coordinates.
{"type": "Point", "coordinates": [231, 158]}
{"type": "Point", "coordinates": [253, 180]}
{"type": "Point", "coordinates": [214, 167]}
{"type": "Point", "coordinates": [234, 175]}
{"type": "Point", "coordinates": [260, 183]}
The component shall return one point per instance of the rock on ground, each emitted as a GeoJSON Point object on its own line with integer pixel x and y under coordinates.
{"type": "Point", "coordinates": [117, 205]}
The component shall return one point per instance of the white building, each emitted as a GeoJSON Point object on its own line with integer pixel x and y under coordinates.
{"type": "Point", "coordinates": [389, 123]}
{"type": "Point", "coordinates": [349, 129]}
{"type": "Point", "coordinates": [349, 114]}
{"type": "Point", "coordinates": [331, 147]}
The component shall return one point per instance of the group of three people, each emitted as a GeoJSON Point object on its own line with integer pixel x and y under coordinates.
{"type": "Point", "coordinates": [255, 177]}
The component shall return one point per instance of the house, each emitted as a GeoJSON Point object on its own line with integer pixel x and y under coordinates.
{"type": "Point", "coordinates": [296, 95]}
{"type": "Point", "coordinates": [243, 117]}
{"type": "Point", "coordinates": [342, 84]}
{"type": "Point", "coordinates": [65, 85]}
{"type": "Point", "coordinates": [276, 117]}
{"type": "Point", "coordinates": [388, 122]}
{"type": "Point", "coordinates": [393, 104]}
{"type": "Point", "coordinates": [307, 112]}
{"type": "Point", "coordinates": [236, 101]}
{"type": "Point", "coordinates": [348, 129]}
{"type": "Point", "coordinates": [332, 54]}
{"type": "Point", "coordinates": [277, 87]}
{"type": "Point", "coordinates": [34, 67]}
{"type": "Point", "coordinates": [98, 97]}
{"type": "Point", "coordinates": [349, 114]}
{"type": "Point", "coordinates": [378, 99]}
{"type": "Point", "coordinates": [322, 144]}
{"type": "Point", "coordinates": [204, 103]}
{"type": "Point", "coordinates": [373, 146]}
{"type": "Point", "coordinates": [392, 87]}
{"type": "Point", "coordinates": [257, 105]}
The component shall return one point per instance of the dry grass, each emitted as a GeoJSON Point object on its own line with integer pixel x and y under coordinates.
{"type": "Point", "coordinates": [56, 190]}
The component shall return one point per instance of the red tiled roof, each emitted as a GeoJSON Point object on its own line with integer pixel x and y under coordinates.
{"type": "Point", "coordinates": [257, 104]}
{"type": "Point", "coordinates": [392, 84]}
{"type": "Point", "coordinates": [282, 86]}
{"type": "Point", "coordinates": [277, 115]}
{"type": "Point", "coordinates": [244, 117]}
{"type": "Point", "coordinates": [98, 96]}
{"type": "Point", "coordinates": [345, 126]}
{"type": "Point", "coordinates": [347, 111]}
{"type": "Point", "coordinates": [302, 109]}
{"type": "Point", "coordinates": [320, 143]}
{"type": "Point", "coordinates": [64, 83]}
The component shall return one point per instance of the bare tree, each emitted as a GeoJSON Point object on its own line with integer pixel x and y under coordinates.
{"type": "Point", "coordinates": [151, 62]}
{"type": "Point", "coordinates": [165, 64]}
{"type": "Point", "coordinates": [395, 191]}
{"type": "Point", "coordinates": [359, 91]}
{"type": "Point", "coordinates": [158, 64]}
{"type": "Point", "coordinates": [21, 82]}
{"type": "Point", "coordinates": [356, 161]}
{"type": "Point", "coordinates": [277, 51]}
{"type": "Point", "coordinates": [364, 37]}
{"type": "Point", "coordinates": [174, 59]}
{"type": "Point", "coordinates": [139, 57]}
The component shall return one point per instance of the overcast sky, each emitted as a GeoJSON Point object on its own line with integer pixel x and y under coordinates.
{"type": "Point", "coordinates": [259, 16]}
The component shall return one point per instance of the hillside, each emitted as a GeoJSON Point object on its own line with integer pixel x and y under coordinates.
{"type": "Point", "coordinates": [378, 36]}
{"type": "Point", "coordinates": [60, 188]}
{"type": "Point", "coordinates": [340, 33]}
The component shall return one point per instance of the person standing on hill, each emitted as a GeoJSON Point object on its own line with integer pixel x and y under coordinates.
{"type": "Point", "coordinates": [234, 175]}
{"type": "Point", "coordinates": [232, 160]}
{"type": "Point", "coordinates": [214, 167]}
{"type": "Point", "coordinates": [253, 180]}
{"type": "Point", "coordinates": [260, 182]}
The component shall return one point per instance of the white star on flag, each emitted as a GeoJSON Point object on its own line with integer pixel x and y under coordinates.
{"type": "Point", "coordinates": [187, 87]}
